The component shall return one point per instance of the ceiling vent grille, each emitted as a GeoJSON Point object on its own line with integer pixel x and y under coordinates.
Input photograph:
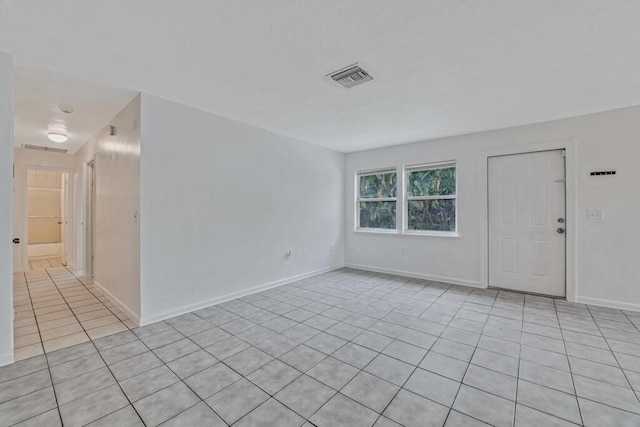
{"type": "Point", "coordinates": [350, 76]}
{"type": "Point", "coordinates": [41, 148]}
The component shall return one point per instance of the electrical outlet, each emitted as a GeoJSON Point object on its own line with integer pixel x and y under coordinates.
{"type": "Point", "coordinates": [595, 214]}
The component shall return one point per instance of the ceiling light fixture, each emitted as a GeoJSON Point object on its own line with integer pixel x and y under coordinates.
{"type": "Point", "coordinates": [58, 137]}
{"type": "Point", "coordinates": [67, 109]}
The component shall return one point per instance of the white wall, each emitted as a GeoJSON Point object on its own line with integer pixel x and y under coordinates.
{"type": "Point", "coordinates": [221, 203]}
{"type": "Point", "coordinates": [24, 160]}
{"type": "Point", "coordinates": [607, 271]}
{"type": "Point", "coordinates": [6, 227]}
{"type": "Point", "coordinates": [117, 228]}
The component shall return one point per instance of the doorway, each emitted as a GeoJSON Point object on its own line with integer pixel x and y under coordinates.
{"type": "Point", "coordinates": [47, 218]}
{"type": "Point", "coordinates": [527, 222]}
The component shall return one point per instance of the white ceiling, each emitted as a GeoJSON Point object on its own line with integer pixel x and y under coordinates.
{"type": "Point", "coordinates": [38, 95]}
{"type": "Point", "coordinates": [440, 67]}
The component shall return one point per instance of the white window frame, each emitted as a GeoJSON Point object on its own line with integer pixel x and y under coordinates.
{"type": "Point", "coordinates": [379, 199]}
{"type": "Point", "coordinates": [406, 199]}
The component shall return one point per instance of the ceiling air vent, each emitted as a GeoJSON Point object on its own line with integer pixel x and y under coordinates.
{"type": "Point", "coordinates": [350, 76]}
{"type": "Point", "coordinates": [41, 148]}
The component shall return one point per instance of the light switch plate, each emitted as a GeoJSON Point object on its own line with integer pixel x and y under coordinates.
{"type": "Point", "coordinates": [595, 214]}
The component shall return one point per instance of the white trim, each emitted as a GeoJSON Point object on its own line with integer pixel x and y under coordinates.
{"type": "Point", "coordinates": [571, 170]}
{"type": "Point", "coordinates": [609, 303]}
{"type": "Point", "coordinates": [6, 359]}
{"type": "Point", "coordinates": [377, 230]}
{"type": "Point", "coordinates": [406, 199]}
{"type": "Point", "coordinates": [88, 197]}
{"type": "Point", "coordinates": [357, 200]}
{"type": "Point", "coordinates": [426, 166]}
{"type": "Point", "coordinates": [453, 234]}
{"type": "Point", "coordinates": [214, 301]}
{"type": "Point", "coordinates": [391, 169]}
{"type": "Point", "coordinates": [450, 280]}
{"type": "Point", "coordinates": [122, 306]}
{"type": "Point", "coordinates": [72, 240]}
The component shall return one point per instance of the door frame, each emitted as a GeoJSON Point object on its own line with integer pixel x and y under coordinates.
{"type": "Point", "coordinates": [570, 148]}
{"type": "Point", "coordinates": [71, 246]}
{"type": "Point", "coordinates": [89, 216]}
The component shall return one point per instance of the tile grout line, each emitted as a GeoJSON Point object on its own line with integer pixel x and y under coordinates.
{"type": "Point", "coordinates": [251, 345]}
{"type": "Point", "coordinates": [380, 319]}
{"type": "Point", "coordinates": [103, 361]}
{"type": "Point", "coordinates": [515, 406]}
{"type": "Point", "coordinates": [72, 310]}
{"type": "Point", "coordinates": [393, 339]}
{"type": "Point", "coordinates": [438, 336]}
{"type": "Point", "coordinates": [53, 388]}
{"type": "Point", "coordinates": [616, 358]}
{"type": "Point", "coordinates": [575, 391]}
{"type": "Point", "coordinates": [101, 302]}
{"type": "Point", "coordinates": [522, 322]}
{"type": "Point", "coordinates": [181, 380]}
{"type": "Point", "coordinates": [303, 293]}
{"type": "Point", "coordinates": [469, 364]}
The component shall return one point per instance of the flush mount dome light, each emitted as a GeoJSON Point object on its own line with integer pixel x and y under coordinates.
{"type": "Point", "coordinates": [58, 137]}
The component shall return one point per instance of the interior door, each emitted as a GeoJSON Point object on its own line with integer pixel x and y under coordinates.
{"type": "Point", "coordinates": [527, 222]}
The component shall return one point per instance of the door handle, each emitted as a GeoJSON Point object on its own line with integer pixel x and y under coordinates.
{"type": "Point", "coordinates": [16, 240]}
{"type": "Point", "coordinates": [560, 230]}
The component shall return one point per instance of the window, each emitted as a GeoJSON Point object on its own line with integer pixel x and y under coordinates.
{"type": "Point", "coordinates": [431, 197]}
{"type": "Point", "coordinates": [377, 192]}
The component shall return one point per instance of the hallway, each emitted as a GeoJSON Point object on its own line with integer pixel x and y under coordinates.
{"type": "Point", "coordinates": [54, 309]}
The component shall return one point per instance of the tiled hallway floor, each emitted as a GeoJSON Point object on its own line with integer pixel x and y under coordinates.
{"type": "Point", "coordinates": [42, 263]}
{"type": "Point", "coordinates": [347, 348]}
{"type": "Point", "coordinates": [54, 309]}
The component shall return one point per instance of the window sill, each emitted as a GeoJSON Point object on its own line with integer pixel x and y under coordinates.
{"type": "Point", "coordinates": [375, 231]}
{"type": "Point", "coordinates": [454, 235]}
{"type": "Point", "coordinates": [449, 234]}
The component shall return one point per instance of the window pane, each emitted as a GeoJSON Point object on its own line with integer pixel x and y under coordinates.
{"type": "Point", "coordinates": [378, 215]}
{"type": "Point", "coordinates": [431, 182]}
{"type": "Point", "coordinates": [432, 215]}
{"type": "Point", "coordinates": [378, 185]}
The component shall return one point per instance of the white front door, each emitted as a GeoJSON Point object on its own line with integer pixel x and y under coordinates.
{"type": "Point", "coordinates": [527, 222]}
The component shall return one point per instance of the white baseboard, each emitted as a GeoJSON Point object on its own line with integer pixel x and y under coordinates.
{"type": "Point", "coordinates": [122, 306]}
{"type": "Point", "coordinates": [413, 275]}
{"type": "Point", "coordinates": [208, 303]}
{"type": "Point", "coordinates": [6, 359]}
{"type": "Point", "coordinates": [609, 303]}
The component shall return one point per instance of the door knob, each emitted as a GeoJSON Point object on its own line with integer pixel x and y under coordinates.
{"type": "Point", "coordinates": [560, 230]}
{"type": "Point", "coordinates": [560, 220]}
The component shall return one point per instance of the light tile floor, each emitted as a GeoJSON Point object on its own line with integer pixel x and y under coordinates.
{"type": "Point", "coordinates": [39, 263]}
{"type": "Point", "coordinates": [54, 309]}
{"type": "Point", "coordinates": [346, 348]}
